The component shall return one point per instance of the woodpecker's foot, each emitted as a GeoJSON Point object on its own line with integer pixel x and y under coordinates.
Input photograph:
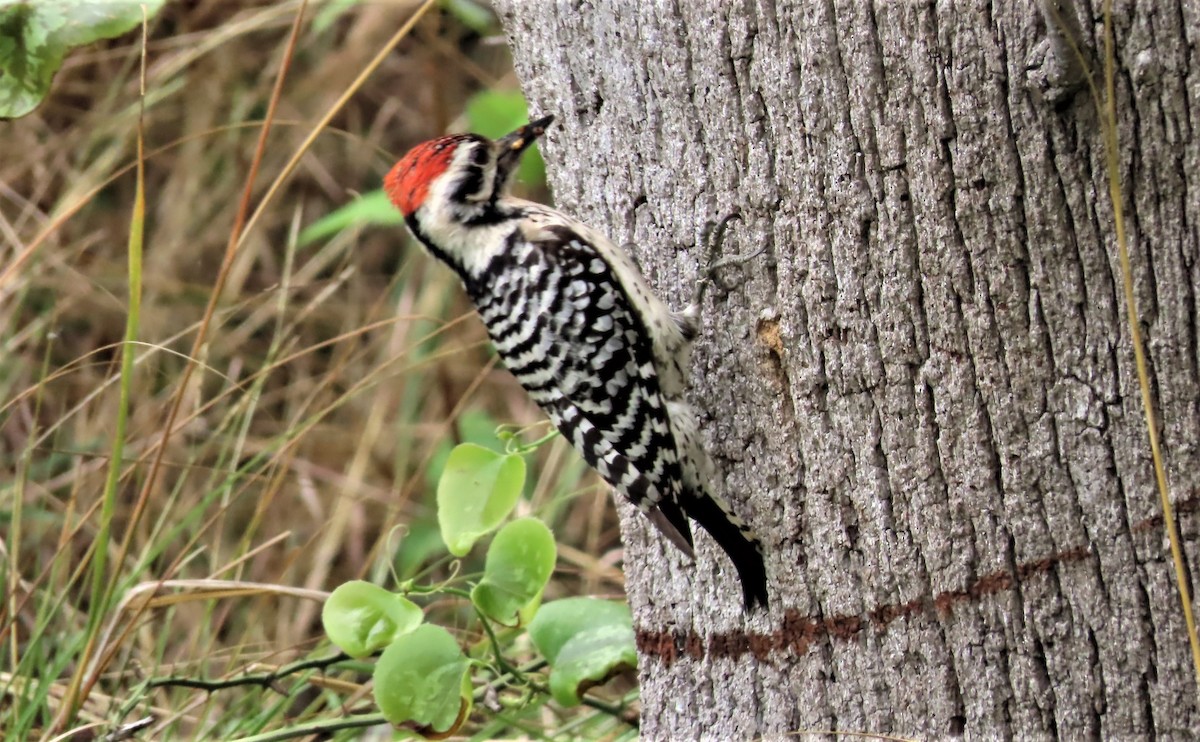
{"type": "Point", "coordinates": [714, 238]}
{"type": "Point", "coordinates": [688, 321]}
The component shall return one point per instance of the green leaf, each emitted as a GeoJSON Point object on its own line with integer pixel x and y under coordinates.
{"type": "Point", "coordinates": [36, 36]}
{"type": "Point", "coordinates": [473, 426]}
{"type": "Point", "coordinates": [471, 14]}
{"type": "Point", "coordinates": [372, 208]}
{"type": "Point", "coordinates": [556, 623]}
{"type": "Point", "coordinates": [519, 563]}
{"type": "Point", "coordinates": [586, 641]}
{"type": "Point", "coordinates": [494, 113]}
{"type": "Point", "coordinates": [422, 678]}
{"type": "Point", "coordinates": [362, 618]}
{"type": "Point", "coordinates": [477, 491]}
{"type": "Point", "coordinates": [328, 13]}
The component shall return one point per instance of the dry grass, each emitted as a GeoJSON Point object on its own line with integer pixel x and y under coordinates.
{"type": "Point", "coordinates": [332, 378]}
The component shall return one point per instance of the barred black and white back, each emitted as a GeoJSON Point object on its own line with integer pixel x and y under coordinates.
{"type": "Point", "coordinates": [575, 322]}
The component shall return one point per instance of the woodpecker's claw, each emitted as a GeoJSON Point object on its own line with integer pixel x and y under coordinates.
{"type": "Point", "coordinates": [717, 232]}
{"type": "Point", "coordinates": [709, 269]}
{"type": "Point", "coordinates": [735, 260]}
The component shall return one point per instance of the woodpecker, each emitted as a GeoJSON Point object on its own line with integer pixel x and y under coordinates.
{"type": "Point", "coordinates": [575, 322]}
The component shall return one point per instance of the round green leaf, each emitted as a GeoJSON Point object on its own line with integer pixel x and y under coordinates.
{"type": "Point", "coordinates": [556, 623]}
{"type": "Point", "coordinates": [422, 678]}
{"type": "Point", "coordinates": [519, 563]}
{"type": "Point", "coordinates": [586, 641]}
{"type": "Point", "coordinates": [477, 491]}
{"type": "Point", "coordinates": [362, 618]}
{"type": "Point", "coordinates": [36, 36]}
{"type": "Point", "coordinates": [590, 658]}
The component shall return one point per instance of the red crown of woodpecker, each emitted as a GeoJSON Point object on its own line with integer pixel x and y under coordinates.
{"type": "Point", "coordinates": [407, 184]}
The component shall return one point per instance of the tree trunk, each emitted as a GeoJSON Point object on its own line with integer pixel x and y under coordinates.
{"type": "Point", "coordinates": [922, 393]}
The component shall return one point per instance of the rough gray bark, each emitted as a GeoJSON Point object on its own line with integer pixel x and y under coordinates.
{"type": "Point", "coordinates": [923, 392]}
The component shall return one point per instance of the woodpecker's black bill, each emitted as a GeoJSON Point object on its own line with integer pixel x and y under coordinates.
{"type": "Point", "coordinates": [511, 146]}
{"type": "Point", "coordinates": [520, 139]}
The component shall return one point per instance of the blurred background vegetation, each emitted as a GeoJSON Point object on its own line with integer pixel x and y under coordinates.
{"type": "Point", "coordinates": [340, 367]}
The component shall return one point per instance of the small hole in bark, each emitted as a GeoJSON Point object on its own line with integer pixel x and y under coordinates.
{"type": "Point", "coordinates": [958, 725]}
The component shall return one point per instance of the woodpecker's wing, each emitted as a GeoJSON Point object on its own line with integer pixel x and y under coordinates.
{"type": "Point", "coordinates": [605, 395]}
{"type": "Point", "coordinates": [621, 473]}
{"type": "Point", "coordinates": [614, 407]}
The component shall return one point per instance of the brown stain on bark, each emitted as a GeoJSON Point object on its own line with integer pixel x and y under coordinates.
{"type": "Point", "coordinates": [1183, 507]}
{"type": "Point", "coordinates": [798, 633]}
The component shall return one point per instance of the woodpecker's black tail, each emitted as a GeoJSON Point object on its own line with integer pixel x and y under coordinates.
{"type": "Point", "coordinates": [738, 541]}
